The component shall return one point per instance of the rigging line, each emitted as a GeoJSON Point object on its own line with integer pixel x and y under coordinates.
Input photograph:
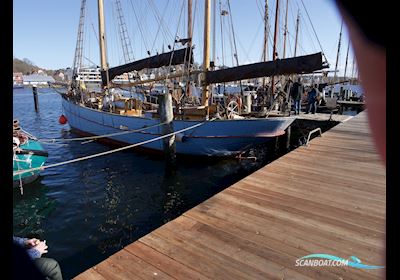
{"type": "Point", "coordinates": [176, 34]}
{"type": "Point", "coordinates": [159, 27]}
{"type": "Point", "coordinates": [323, 53]}
{"type": "Point", "coordinates": [233, 33]}
{"type": "Point", "coordinates": [298, 43]}
{"type": "Point", "coordinates": [110, 151]}
{"type": "Point", "coordinates": [227, 26]}
{"type": "Point", "coordinates": [160, 20]}
{"type": "Point", "coordinates": [293, 21]}
{"type": "Point", "coordinates": [254, 38]}
{"type": "Point", "coordinates": [139, 26]}
{"type": "Point", "coordinates": [97, 136]}
{"type": "Point", "coordinates": [114, 42]}
{"type": "Point", "coordinates": [260, 10]}
{"type": "Point", "coordinates": [310, 37]}
{"type": "Point", "coordinates": [94, 30]}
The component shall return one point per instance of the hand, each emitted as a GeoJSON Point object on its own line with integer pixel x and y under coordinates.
{"type": "Point", "coordinates": [41, 247]}
{"type": "Point", "coordinates": [31, 242]}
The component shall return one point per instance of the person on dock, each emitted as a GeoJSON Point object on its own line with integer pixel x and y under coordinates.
{"type": "Point", "coordinates": [312, 100]}
{"type": "Point", "coordinates": [35, 248]}
{"type": "Point", "coordinates": [296, 92]}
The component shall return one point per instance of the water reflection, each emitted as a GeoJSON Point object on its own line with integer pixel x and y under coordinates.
{"type": "Point", "coordinates": [31, 209]}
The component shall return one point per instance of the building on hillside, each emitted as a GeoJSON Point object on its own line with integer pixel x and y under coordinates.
{"type": "Point", "coordinates": [37, 79]}
{"type": "Point", "coordinates": [18, 81]}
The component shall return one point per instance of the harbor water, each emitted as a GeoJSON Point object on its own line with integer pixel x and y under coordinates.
{"type": "Point", "coordinates": [88, 210]}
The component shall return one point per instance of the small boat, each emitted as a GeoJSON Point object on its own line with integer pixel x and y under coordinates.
{"type": "Point", "coordinates": [27, 153]}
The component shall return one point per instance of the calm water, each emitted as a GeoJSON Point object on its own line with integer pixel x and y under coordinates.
{"type": "Point", "coordinates": [89, 210]}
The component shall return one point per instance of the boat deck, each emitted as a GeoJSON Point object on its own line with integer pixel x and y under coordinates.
{"type": "Point", "coordinates": [326, 198]}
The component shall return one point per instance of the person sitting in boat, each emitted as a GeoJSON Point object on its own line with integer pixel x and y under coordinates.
{"type": "Point", "coordinates": [312, 100]}
{"type": "Point", "coordinates": [35, 248]}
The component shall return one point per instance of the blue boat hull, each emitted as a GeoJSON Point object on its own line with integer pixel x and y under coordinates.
{"type": "Point", "coordinates": [222, 138]}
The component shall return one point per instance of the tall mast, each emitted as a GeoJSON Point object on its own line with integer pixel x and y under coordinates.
{"type": "Point", "coordinates": [190, 30]}
{"type": "Point", "coordinates": [338, 51]}
{"type": "Point", "coordinates": [274, 48]}
{"type": "Point", "coordinates": [347, 57]}
{"type": "Point", "coordinates": [352, 70]}
{"type": "Point", "coordinates": [79, 42]}
{"type": "Point", "coordinates": [190, 34]}
{"type": "Point", "coordinates": [206, 51]}
{"type": "Point", "coordinates": [337, 59]}
{"type": "Point", "coordinates": [102, 37]}
{"type": "Point", "coordinates": [297, 32]}
{"type": "Point", "coordinates": [285, 31]}
{"type": "Point", "coordinates": [265, 45]}
{"type": "Point", "coordinates": [214, 26]}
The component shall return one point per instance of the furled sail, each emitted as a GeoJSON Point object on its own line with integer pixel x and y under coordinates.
{"type": "Point", "coordinates": [165, 59]}
{"type": "Point", "coordinates": [294, 65]}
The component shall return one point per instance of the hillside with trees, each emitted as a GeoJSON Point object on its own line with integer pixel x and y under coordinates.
{"type": "Point", "coordinates": [24, 66]}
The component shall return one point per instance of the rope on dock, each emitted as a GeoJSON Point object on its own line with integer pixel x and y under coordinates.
{"type": "Point", "coordinates": [50, 141]}
{"type": "Point", "coordinates": [111, 151]}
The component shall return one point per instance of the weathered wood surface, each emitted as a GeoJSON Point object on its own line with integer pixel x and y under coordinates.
{"type": "Point", "coordinates": [326, 198]}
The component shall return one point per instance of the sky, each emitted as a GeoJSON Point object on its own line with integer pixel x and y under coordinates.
{"type": "Point", "coordinates": [45, 31]}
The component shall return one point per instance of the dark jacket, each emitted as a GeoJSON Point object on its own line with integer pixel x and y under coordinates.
{"type": "Point", "coordinates": [296, 91]}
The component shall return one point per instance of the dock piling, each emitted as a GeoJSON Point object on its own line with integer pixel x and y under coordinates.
{"type": "Point", "coordinates": [288, 135]}
{"type": "Point", "coordinates": [167, 116]}
{"type": "Point", "coordinates": [35, 98]}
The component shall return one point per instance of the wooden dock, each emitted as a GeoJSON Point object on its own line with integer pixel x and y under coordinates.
{"type": "Point", "coordinates": [326, 198]}
{"type": "Point", "coordinates": [323, 117]}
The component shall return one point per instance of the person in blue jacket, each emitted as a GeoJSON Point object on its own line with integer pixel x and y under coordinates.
{"type": "Point", "coordinates": [35, 248]}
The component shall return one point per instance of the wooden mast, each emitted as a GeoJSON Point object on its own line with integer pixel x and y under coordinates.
{"type": "Point", "coordinates": [347, 57]}
{"type": "Point", "coordinates": [285, 31]}
{"type": "Point", "coordinates": [206, 52]}
{"type": "Point", "coordinates": [190, 30]}
{"type": "Point", "coordinates": [337, 57]}
{"type": "Point", "coordinates": [352, 71]}
{"type": "Point", "coordinates": [297, 33]}
{"type": "Point", "coordinates": [274, 48]}
{"type": "Point", "coordinates": [265, 45]}
{"type": "Point", "coordinates": [190, 34]}
{"type": "Point", "coordinates": [214, 33]}
{"type": "Point", "coordinates": [102, 37]}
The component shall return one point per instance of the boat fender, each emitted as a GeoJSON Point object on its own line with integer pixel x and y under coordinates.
{"type": "Point", "coordinates": [180, 137]}
{"type": "Point", "coordinates": [62, 119]}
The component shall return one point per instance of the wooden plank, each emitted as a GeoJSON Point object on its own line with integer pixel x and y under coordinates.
{"type": "Point", "coordinates": [163, 262]}
{"type": "Point", "coordinates": [327, 198]}
{"type": "Point", "coordinates": [90, 274]}
{"type": "Point", "coordinates": [124, 265]}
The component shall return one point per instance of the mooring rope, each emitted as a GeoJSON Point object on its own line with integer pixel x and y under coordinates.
{"type": "Point", "coordinates": [109, 152]}
{"type": "Point", "coordinates": [50, 141]}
